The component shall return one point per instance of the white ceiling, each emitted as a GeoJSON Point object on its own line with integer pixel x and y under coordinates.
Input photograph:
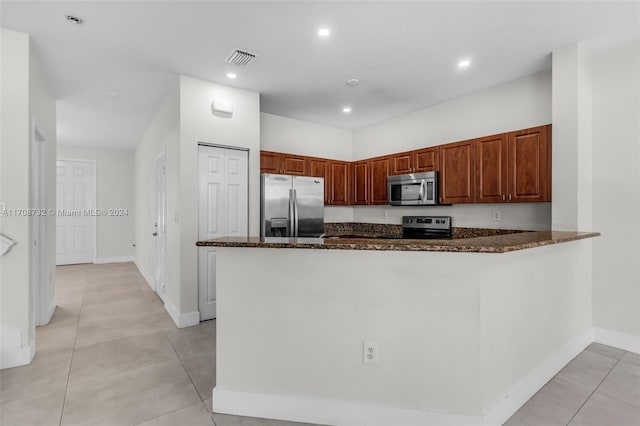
{"type": "Point", "coordinates": [404, 53]}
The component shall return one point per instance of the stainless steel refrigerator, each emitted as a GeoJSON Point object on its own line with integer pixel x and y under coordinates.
{"type": "Point", "coordinates": [292, 206]}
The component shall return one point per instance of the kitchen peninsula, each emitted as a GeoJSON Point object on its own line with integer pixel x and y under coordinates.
{"type": "Point", "coordinates": [463, 335]}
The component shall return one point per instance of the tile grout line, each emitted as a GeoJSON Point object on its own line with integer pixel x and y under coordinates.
{"type": "Point", "coordinates": [594, 390]}
{"type": "Point", "coordinates": [188, 375]}
{"type": "Point", "coordinates": [164, 331]}
{"type": "Point", "coordinates": [73, 350]}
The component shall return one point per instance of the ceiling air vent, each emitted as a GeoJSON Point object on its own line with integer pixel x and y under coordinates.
{"type": "Point", "coordinates": [240, 58]}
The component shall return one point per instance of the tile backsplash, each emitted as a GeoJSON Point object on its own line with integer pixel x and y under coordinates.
{"type": "Point", "coordinates": [524, 216]}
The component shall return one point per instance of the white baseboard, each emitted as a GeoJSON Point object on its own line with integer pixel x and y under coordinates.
{"type": "Point", "coordinates": [181, 320]}
{"type": "Point", "coordinates": [144, 274]}
{"type": "Point", "coordinates": [12, 353]}
{"type": "Point", "coordinates": [627, 342]}
{"type": "Point", "coordinates": [121, 259]}
{"type": "Point", "coordinates": [509, 402]}
{"type": "Point", "coordinates": [328, 411]}
{"type": "Point", "coordinates": [334, 412]}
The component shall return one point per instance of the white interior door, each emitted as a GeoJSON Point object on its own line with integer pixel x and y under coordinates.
{"type": "Point", "coordinates": [76, 214]}
{"type": "Point", "coordinates": [160, 226]}
{"type": "Point", "coordinates": [223, 212]}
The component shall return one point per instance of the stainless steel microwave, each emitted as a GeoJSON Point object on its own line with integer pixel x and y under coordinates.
{"type": "Point", "coordinates": [417, 189]}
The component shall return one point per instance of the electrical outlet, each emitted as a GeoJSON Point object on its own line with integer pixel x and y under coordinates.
{"type": "Point", "coordinates": [496, 216]}
{"type": "Point", "coordinates": [370, 353]}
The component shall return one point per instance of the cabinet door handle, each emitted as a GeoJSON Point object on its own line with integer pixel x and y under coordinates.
{"type": "Point", "coordinates": [509, 197]}
{"type": "Point", "coordinates": [503, 197]}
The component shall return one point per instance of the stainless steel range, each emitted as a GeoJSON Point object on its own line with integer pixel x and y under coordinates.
{"type": "Point", "coordinates": [426, 227]}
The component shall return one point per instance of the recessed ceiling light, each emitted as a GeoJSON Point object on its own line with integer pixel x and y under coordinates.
{"type": "Point", "coordinates": [231, 75]}
{"type": "Point", "coordinates": [74, 19]}
{"type": "Point", "coordinates": [353, 82]}
{"type": "Point", "coordinates": [464, 63]}
{"type": "Point", "coordinates": [346, 109]}
{"type": "Point", "coordinates": [324, 32]}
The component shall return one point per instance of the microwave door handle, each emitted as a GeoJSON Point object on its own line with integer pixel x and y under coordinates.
{"type": "Point", "coordinates": [422, 190]}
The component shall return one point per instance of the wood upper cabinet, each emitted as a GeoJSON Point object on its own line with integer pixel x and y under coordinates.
{"type": "Point", "coordinates": [491, 169]}
{"type": "Point", "coordinates": [514, 167]}
{"type": "Point", "coordinates": [402, 163]}
{"type": "Point", "coordinates": [422, 160]}
{"type": "Point", "coordinates": [457, 173]}
{"type": "Point", "coordinates": [427, 159]}
{"type": "Point", "coordinates": [529, 165]}
{"type": "Point", "coordinates": [336, 179]}
{"type": "Point", "coordinates": [379, 170]}
{"type": "Point", "coordinates": [282, 163]}
{"type": "Point", "coordinates": [319, 167]}
{"type": "Point", "coordinates": [340, 191]}
{"type": "Point", "coordinates": [508, 167]}
{"type": "Point", "coordinates": [360, 174]}
{"type": "Point", "coordinates": [270, 162]}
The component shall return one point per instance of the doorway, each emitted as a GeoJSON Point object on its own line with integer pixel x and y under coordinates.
{"type": "Point", "coordinates": [223, 212]}
{"type": "Point", "coordinates": [160, 227]}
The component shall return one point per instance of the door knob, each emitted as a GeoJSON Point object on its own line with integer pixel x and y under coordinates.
{"type": "Point", "coordinates": [155, 234]}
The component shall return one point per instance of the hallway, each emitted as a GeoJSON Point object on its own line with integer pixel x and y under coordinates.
{"type": "Point", "coordinates": [111, 355]}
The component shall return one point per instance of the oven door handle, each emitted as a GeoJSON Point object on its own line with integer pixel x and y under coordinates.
{"type": "Point", "coordinates": [422, 190]}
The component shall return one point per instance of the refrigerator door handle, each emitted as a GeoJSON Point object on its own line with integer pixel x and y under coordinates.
{"type": "Point", "coordinates": [295, 214]}
{"type": "Point", "coordinates": [291, 232]}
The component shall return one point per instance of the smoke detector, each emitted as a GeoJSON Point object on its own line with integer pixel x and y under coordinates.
{"type": "Point", "coordinates": [242, 58]}
{"type": "Point", "coordinates": [353, 82]}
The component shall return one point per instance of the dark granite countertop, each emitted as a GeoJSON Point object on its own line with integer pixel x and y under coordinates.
{"type": "Point", "coordinates": [500, 243]}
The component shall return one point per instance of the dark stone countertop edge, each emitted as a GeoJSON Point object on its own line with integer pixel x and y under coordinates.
{"type": "Point", "coordinates": [491, 244]}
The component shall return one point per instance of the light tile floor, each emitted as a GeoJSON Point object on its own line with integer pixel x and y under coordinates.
{"type": "Point", "coordinates": [112, 356]}
{"type": "Point", "coordinates": [599, 387]}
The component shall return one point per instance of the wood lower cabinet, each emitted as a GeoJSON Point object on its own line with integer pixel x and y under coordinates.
{"type": "Point", "coordinates": [422, 160]}
{"type": "Point", "coordinates": [282, 163]}
{"type": "Point", "coordinates": [529, 168]}
{"type": "Point", "coordinates": [457, 173]}
{"type": "Point", "coordinates": [379, 171]}
{"type": "Point", "coordinates": [360, 174]}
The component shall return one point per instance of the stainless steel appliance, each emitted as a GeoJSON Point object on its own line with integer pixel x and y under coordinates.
{"type": "Point", "coordinates": [426, 227]}
{"type": "Point", "coordinates": [291, 206]}
{"type": "Point", "coordinates": [417, 189]}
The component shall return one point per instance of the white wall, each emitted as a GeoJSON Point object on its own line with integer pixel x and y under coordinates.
{"type": "Point", "coordinates": [616, 194]}
{"type": "Point", "coordinates": [25, 95]}
{"type": "Point", "coordinates": [163, 135]}
{"type": "Point", "coordinates": [483, 113]}
{"type": "Point", "coordinates": [518, 104]}
{"type": "Point", "coordinates": [460, 340]}
{"type": "Point", "coordinates": [114, 174]}
{"type": "Point", "coordinates": [198, 124]}
{"type": "Point", "coordinates": [513, 216]}
{"type": "Point", "coordinates": [282, 134]}
{"type": "Point", "coordinates": [572, 147]}
{"type": "Point", "coordinates": [42, 110]}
